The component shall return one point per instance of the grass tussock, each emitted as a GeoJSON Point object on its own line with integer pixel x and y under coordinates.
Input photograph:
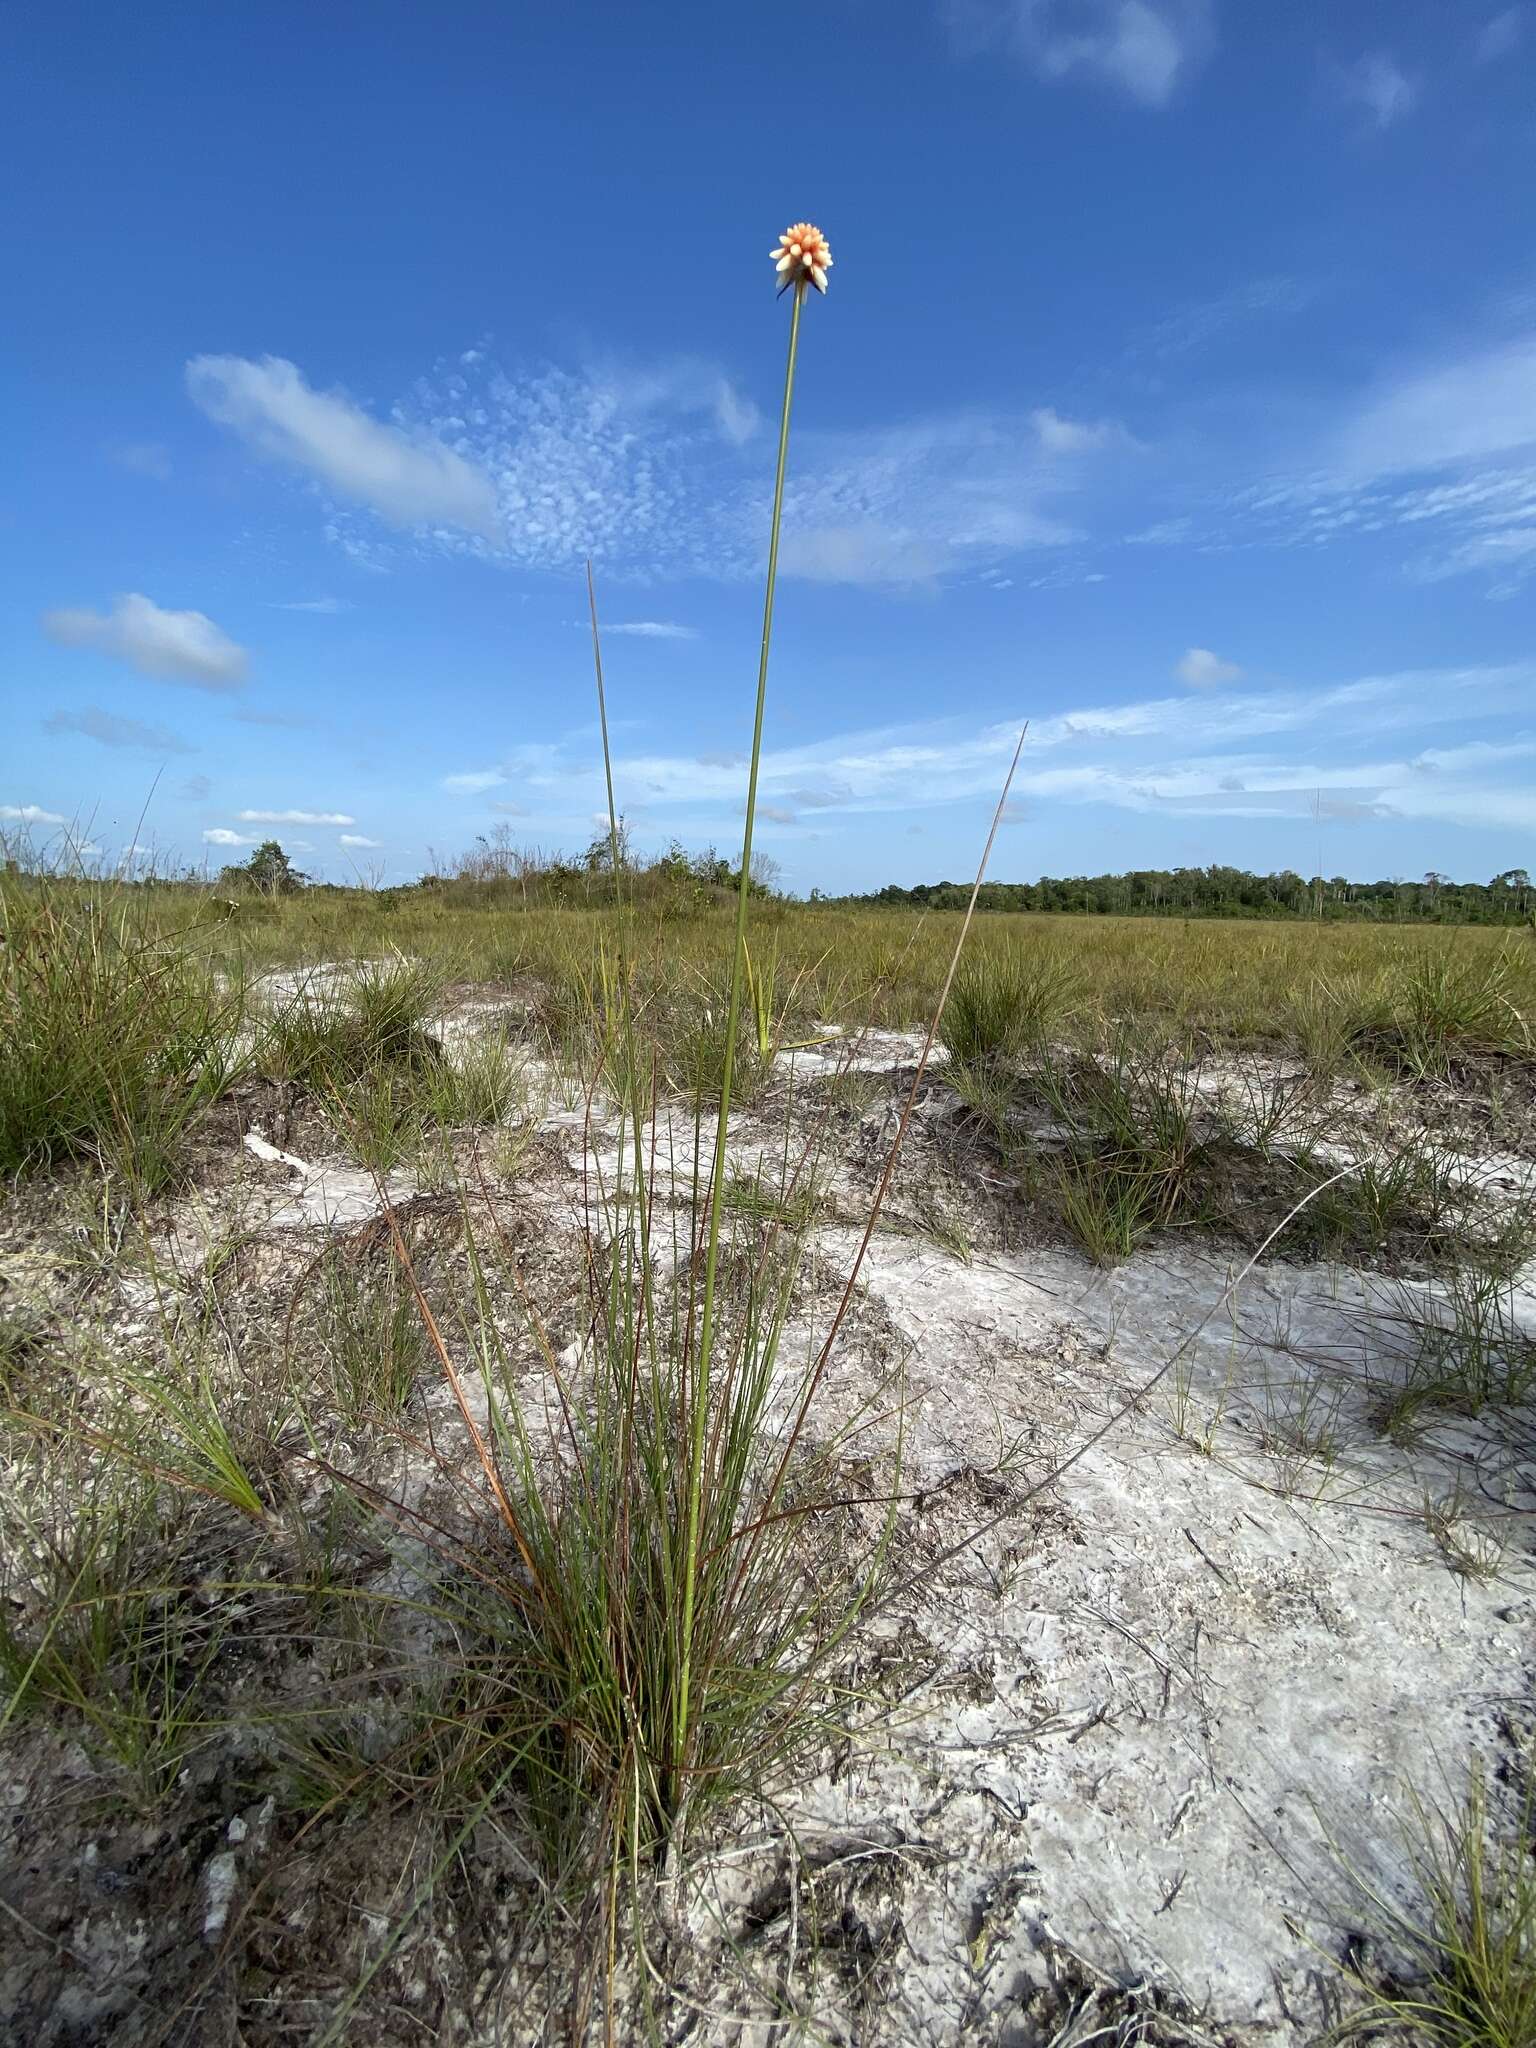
{"type": "Point", "coordinates": [339, 1030]}
{"type": "Point", "coordinates": [624, 1710]}
{"type": "Point", "coordinates": [1464, 1944]}
{"type": "Point", "coordinates": [1465, 1348]}
{"type": "Point", "coordinates": [1004, 1003]}
{"type": "Point", "coordinates": [115, 1036]}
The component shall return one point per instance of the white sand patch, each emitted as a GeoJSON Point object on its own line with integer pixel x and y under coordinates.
{"type": "Point", "coordinates": [1163, 1681]}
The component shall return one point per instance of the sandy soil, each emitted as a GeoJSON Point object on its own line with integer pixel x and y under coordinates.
{"type": "Point", "coordinates": [1165, 1636]}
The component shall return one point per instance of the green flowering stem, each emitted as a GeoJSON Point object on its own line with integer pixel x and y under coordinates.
{"type": "Point", "coordinates": [699, 1391]}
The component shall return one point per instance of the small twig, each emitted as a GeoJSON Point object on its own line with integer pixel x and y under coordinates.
{"type": "Point", "coordinates": [1215, 1567]}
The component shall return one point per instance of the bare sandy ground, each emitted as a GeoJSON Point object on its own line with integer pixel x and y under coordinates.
{"type": "Point", "coordinates": [1122, 1746]}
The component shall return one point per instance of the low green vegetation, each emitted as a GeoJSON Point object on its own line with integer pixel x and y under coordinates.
{"type": "Point", "coordinates": [1466, 1940]}
{"type": "Point", "coordinates": [116, 1031]}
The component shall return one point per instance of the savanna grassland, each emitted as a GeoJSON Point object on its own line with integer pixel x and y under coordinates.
{"type": "Point", "coordinates": [462, 1582]}
{"type": "Point", "coordinates": [1238, 980]}
{"type": "Point", "coordinates": [587, 1454]}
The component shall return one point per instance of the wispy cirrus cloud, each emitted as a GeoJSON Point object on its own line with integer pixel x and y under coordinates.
{"type": "Point", "coordinates": [1145, 49]}
{"type": "Point", "coordinates": [177, 647]}
{"type": "Point", "coordinates": [1377, 83]}
{"type": "Point", "coordinates": [295, 818]}
{"type": "Point", "coordinates": [474, 781]}
{"type": "Point", "coordinates": [1500, 36]}
{"type": "Point", "coordinates": [1060, 436]}
{"type": "Point", "coordinates": [109, 729]}
{"type": "Point", "coordinates": [1359, 749]}
{"type": "Point", "coordinates": [614, 461]}
{"type": "Point", "coordinates": [1470, 409]}
{"type": "Point", "coordinates": [636, 470]}
{"type": "Point", "coordinates": [1438, 455]}
{"type": "Point", "coordinates": [653, 629]}
{"type": "Point", "coordinates": [408, 476]}
{"type": "Point", "coordinates": [909, 505]}
{"type": "Point", "coordinates": [1443, 453]}
{"type": "Point", "coordinates": [1194, 326]}
{"type": "Point", "coordinates": [324, 607]}
{"type": "Point", "coordinates": [647, 469]}
{"type": "Point", "coordinates": [360, 840]}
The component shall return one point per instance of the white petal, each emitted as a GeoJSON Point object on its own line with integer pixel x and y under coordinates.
{"type": "Point", "coordinates": [783, 263]}
{"type": "Point", "coordinates": [819, 277]}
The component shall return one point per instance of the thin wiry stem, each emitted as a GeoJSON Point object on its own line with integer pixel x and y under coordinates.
{"type": "Point", "coordinates": [700, 1386]}
{"type": "Point", "coordinates": [602, 719]}
{"type": "Point", "coordinates": [813, 1382]}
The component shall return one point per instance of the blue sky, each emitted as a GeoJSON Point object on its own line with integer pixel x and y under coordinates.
{"type": "Point", "coordinates": [1176, 388]}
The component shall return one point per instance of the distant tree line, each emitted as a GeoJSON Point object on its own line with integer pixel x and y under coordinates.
{"type": "Point", "coordinates": [1509, 898]}
{"type": "Point", "coordinates": [497, 873]}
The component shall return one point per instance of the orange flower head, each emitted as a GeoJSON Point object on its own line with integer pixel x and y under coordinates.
{"type": "Point", "coordinates": [803, 256]}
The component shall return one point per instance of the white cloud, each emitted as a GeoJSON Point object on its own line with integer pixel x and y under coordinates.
{"type": "Point", "coordinates": [1060, 436]}
{"type": "Point", "coordinates": [357, 839]}
{"type": "Point", "coordinates": [737, 418]}
{"type": "Point", "coordinates": [1143, 48]}
{"type": "Point", "coordinates": [869, 554]}
{"type": "Point", "coordinates": [110, 730]}
{"type": "Point", "coordinates": [220, 835]}
{"type": "Point", "coordinates": [1202, 669]}
{"type": "Point", "coordinates": [295, 818]}
{"type": "Point", "coordinates": [30, 814]}
{"type": "Point", "coordinates": [474, 781]}
{"type": "Point", "coordinates": [653, 629]}
{"type": "Point", "coordinates": [910, 504]}
{"type": "Point", "coordinates": [1377, 83]}
{"type": "Point", "coordinates": [410, 479]}
{"type": "Point", "coordinates": [1236, 752]}
{"type": "Point", "coordinates": [621, 467]}
{"type": "Point", "coordinates": [179, 647]}
{"type": "Point", "coordinates": [1505, 555]}
{"type": "Point", "coordinates": [1479, 406]}
{"type": "Point", "coordinates": [1499, 37]}
{"type": "Point", "coordinates": [1441, 453]}
{"type": "Point", "coordinates": [1196, 325]}
{"type": "Point", "coordinates": [326, 606]}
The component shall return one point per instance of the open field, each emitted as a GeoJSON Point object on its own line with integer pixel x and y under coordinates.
{"type": "Point", "coordinates": [1244, 981]}
{"type": "Point", "coordinates": [1111, 1614]}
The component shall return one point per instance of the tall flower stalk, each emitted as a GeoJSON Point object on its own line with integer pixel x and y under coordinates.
{"type": "Point", "coordinates": [802, 259]}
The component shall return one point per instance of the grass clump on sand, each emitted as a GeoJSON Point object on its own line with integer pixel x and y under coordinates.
{"type": "Point", "coordinates": [345, 1028]}
{"type": "Point", "coordinates": [115, 1037]}
{"type": "Point", "coordinates": [1466, 1349]}
{"type": "Point", "coordinates": [1466, 1943]}
{"type": "Point", "coordinates": [1002, 1003]}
